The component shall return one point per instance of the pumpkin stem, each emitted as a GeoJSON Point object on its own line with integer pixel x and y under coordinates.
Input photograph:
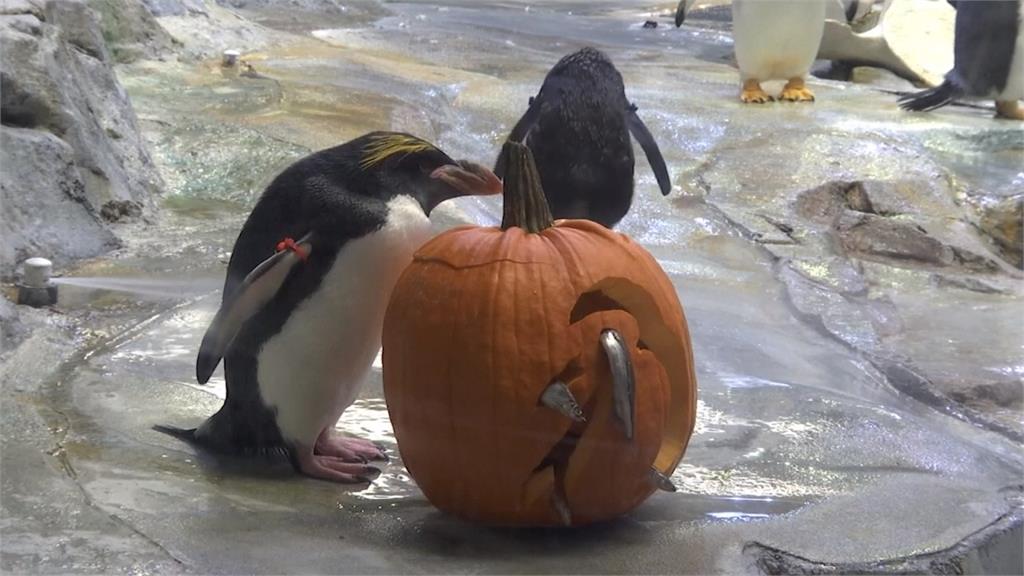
{"type": "Point", "coordinates": [524, 203]}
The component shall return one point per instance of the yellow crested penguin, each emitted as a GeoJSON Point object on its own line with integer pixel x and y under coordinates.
{"type": "Point", "coordinates": [307, 284]}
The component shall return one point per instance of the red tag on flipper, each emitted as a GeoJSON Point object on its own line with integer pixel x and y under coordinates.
{"type": "Point", "coordinates": [289, 244]}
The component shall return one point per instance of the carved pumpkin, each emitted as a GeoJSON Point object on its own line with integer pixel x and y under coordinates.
{"type": "Point", "coordinates": [539, 373]}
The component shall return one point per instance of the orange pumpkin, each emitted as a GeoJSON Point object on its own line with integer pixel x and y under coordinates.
{"type": "Point", "coordinates": [539, 373]}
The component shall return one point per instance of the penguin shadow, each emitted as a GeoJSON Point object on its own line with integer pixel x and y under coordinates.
{"type": "Point", "coordinates": [439, 533]}
{"type": "Point", "coordinates": [271, 467]}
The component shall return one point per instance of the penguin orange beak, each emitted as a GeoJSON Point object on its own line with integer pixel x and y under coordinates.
{"type": "Point", "coordinates": [468, 178]}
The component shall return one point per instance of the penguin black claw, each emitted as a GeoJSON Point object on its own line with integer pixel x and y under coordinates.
{"type": "Point", "coordinates": [578, 128]}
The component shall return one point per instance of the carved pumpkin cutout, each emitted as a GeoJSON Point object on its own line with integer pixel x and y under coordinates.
{"type": "Point", "coordinates": [508, 356]}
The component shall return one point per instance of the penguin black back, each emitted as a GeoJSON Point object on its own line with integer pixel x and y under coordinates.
{"type": "Point", "coordinates": [578, 128]}
{"type": "Point", "coordinates": [985, 36]}
{"type": "Point", "coordinates": [321, 184]}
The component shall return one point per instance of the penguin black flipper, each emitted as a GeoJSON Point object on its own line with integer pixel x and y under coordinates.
{"type": "Point", "coordinates": [643, 136]}
{"type": "Point", "coordinates": [258, 287]}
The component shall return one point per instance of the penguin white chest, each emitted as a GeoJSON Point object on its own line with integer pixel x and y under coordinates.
{"type": "Point", "coordinates": [777, 39]}
{"type": "Point", "coordinates": [313, 368]}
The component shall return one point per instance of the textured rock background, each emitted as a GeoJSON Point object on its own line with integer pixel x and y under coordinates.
{"type": "Point", "coordinates": [73, 159]}
{"type": "Point", "coordinates": [131, 31]}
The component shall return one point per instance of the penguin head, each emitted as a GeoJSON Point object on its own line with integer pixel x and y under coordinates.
{"type": "Point", "coordinates": [584, 69]}
{"type": "Point", "coordinates": [399, 163]}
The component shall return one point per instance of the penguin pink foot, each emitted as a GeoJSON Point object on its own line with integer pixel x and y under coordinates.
{"type": "Point", "coordinates": [348, 449]}
{"type": "Point", "coordinates": [333, 468]}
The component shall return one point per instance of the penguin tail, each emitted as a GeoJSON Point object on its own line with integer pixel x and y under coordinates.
{"type": "Point", "coordinates": [216, 444]}
{"type": "Point", "coordinates": [931, 99]}
{"type": "Point", "coordinates": [186, 434]}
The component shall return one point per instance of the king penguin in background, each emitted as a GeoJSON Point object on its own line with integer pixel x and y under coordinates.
{"type": "Point", "coordinates": [578, 129]}
{"type": "Point", "coordinates": [777, 40]}
{"type": "Point", "coordinates": [300, 321]}
{"type": "Point", "coordinates": [988, 59]}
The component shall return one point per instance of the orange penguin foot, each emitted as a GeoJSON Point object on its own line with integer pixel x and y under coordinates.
{"type": "Point", "coordinates": [796, 91]}
{"type": "Point", "coordinates": [1009, 109]}
{"type": "Point", "coordinates": [753, 93]}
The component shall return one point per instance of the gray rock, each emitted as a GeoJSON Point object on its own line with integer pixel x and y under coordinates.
{"type": "Point", "coordinates": [11, 7]}
{"type": "Point", "coordinates": [78, 27]}
{"type": "Point", "coordinates": [72, 144]}
{"type": "Point", "coordinates": [12, 330]}
{"type": "Point", "coordinates": [966, 283]}
{"type": "Point", "coordinates": [25, 23]}
{"type": "Point", "coordinates": [174, 7]}
{"type": "Point", "coordinates": [866, 221]}
{"type": "Point", "coordinates": [869, 235]}
{"type": "Point", "coordinates": [322, 6]}
{"type": "Point", "coordinates": [130, 30]}
{"type": "Point", "coordinates": [1002, 222]}
{"type": "Point", "coordinates": [44, 207]}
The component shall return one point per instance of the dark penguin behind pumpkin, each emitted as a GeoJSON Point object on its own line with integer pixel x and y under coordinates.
{"type": "Point", "coordinates": [578, 128]}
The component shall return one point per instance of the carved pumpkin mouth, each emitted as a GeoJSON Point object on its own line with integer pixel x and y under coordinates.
{"type": "Point", "coordinates": [620, 296]}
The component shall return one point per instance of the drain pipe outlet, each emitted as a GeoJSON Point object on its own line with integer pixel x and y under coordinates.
{"type": "Point", "coordinates": [229, 58]}
{"type": "Point", "coordinates": [37, 289]}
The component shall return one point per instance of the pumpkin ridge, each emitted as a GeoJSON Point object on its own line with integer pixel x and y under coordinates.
{"type": "Point", "coordinates": [496, 450]}
{"type": "Point", "coordinates": [458, 490]}
{"type": "Point", "coordinates": [482, 264]}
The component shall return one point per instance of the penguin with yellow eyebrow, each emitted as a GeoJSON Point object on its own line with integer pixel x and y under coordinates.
{"type": "Point", "coordinates": [306, 289]}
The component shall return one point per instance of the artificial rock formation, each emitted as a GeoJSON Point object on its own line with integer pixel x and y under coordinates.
{"type": "Point", "coordinates": [71, 148]}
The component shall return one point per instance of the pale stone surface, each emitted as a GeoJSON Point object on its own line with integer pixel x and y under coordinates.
{"type": "Point", "coordinates": [58, 81]}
